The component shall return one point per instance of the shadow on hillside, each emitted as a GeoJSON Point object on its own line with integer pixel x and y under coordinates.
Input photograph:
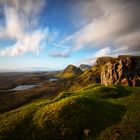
{"type": "Point", "coordinates": [114, 92]}
{"type": "Point", "coordinates": [67, 120]}
{"type": "Point", "coordinates": [76, 115]}
{"type": "Point", "coordinates": [107, 114]}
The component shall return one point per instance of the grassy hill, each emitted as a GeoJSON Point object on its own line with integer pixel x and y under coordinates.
{"type": "Point", "coordinates": [69, 72]}
{"type": "Point", "coordinates": [108, 112]}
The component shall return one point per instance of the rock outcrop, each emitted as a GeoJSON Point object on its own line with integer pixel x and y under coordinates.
{"type": "Point", "coordinates": [103, 60]}
{"type": "Point", "coordinates": [124, 70]}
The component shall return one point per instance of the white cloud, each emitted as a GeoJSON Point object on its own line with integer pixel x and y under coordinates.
{"type": "Point", "coordinates": [64, 53]}
{"type": "Point", "coordinates": [59, 45]}
{"type": "Point", "coordinates": [19, 27]}
{"type": "Point", "coordinates": [111, 22]}
{"type": "Point", "coordinates": [107, 52]}
{"type": "Point", "coordinates": [15, 25]}
{"type": "Point", "coordinates": [60, 51]}
{"type": "Point", "coordinates": [28, 43]}
{"type": "Point", "coordinates": [103, 52]}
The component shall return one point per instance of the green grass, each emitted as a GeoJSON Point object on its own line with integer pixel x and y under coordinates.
{"type": "Point", "coordinates": [90, 76]}
{"type": "Point", "coordinates": [65, 75]}
{"type": "Point", "coordinates": [110, 112]}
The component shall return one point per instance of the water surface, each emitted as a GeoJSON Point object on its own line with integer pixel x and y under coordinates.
{"type": "Point", "coordinates": [23, 87]}
{"type": "Point", "coordinates": [53, 79]}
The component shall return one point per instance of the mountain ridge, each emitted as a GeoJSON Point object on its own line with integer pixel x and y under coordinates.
{"type": "Point", "coordinates": [70, 71]}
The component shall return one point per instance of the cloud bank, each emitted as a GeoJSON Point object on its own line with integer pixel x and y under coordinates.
{"type": "Point", "coordinates": [21, 24]}
{"type": "Point", "coordinates": [113, 26]}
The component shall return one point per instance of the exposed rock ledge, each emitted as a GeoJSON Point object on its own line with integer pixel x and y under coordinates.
{"type": "Point", "coordinates": [124, 70]}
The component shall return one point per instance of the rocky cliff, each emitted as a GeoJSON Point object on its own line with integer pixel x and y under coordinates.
{"type": "Point", "coordinates": [124, 70]}
{"type": "Point", "coordinates": [103, 60]}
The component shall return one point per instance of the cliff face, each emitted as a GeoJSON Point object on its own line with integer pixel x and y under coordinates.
{"type": "Point", "coordinates": [103, 60]}
{"type": "Point", "coordinates": [124, 70]}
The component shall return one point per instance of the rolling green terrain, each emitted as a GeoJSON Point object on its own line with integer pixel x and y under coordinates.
{"type": "Point", "coordinates": [108, 112]}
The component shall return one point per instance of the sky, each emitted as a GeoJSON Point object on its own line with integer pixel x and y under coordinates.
{"type": "Point", "coordinates": [50, 34]}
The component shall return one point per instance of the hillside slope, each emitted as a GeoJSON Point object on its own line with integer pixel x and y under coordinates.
{"type": "Point", "coordinates": [70, 71]}
{"type": "Point", "coordinates": [107, 112]}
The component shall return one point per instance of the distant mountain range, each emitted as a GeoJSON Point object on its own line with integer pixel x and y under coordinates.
{"type": "Point", "coordinates": [85, 67]}
{"type": "Point", "coordinates": [25, 69]}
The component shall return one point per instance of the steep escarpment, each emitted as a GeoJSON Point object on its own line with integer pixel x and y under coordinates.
{"type": "Point", "coordinates": [92, 75]}
{"type": "Point", "coordinates": [124, 70]}
{"type": "Point", "coordinates": [103, 60]}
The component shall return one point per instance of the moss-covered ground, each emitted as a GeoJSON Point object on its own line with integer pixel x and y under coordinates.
{"type": "Point", "coordinates": [107, 112]}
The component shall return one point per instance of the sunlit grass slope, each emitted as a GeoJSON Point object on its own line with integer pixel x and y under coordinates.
{"type": "Point", "coordinates": [110, 113]}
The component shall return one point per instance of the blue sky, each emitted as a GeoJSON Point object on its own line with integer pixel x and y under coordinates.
{"type": "Point", "coordinates": [55, 33]}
